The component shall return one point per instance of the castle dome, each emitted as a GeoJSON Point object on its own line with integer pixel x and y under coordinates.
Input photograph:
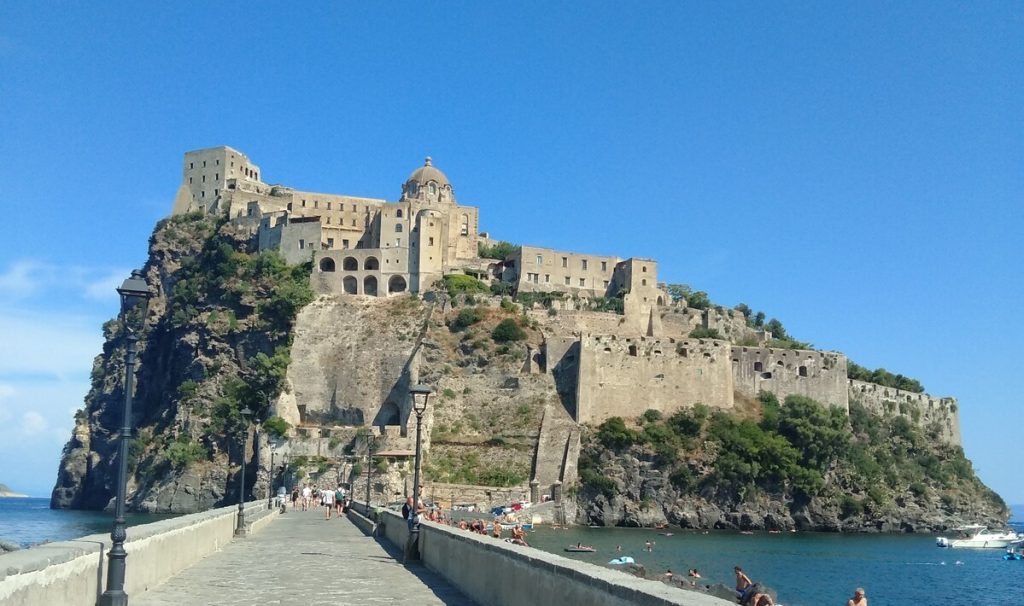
{"type": "Point", "coordinates": [427, 173]}
{"type": "Point", "coordinates": [428, 184]}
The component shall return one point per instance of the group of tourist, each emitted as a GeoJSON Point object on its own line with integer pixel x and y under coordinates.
{"type": "Point", "coordinates": [414, 515]}
{"type": "Point", "coordinates": [332, 500]}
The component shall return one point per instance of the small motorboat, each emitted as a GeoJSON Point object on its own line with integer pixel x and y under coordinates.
{"type": "Point", "coordinates": [980, 537]}
{"type": "Point", "coordinates": [580, 549]}
{"type": "Point", "coordinates": [621, 561]}
{"type": "Point", "coordinates": [1012, 552]}
{"type": "Point", "coordinates": [666, 534]}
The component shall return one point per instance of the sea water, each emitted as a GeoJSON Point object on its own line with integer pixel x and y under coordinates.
{"type": "Point", "coordinates": [30, 521]}
{"type": "Point", "coordinates": [811, 568]}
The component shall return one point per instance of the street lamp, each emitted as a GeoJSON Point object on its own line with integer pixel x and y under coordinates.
{"type": "Point", "coordinates": [369, 468]}
{"type": "Point", "coordinates": [420, 394]}
{"type": "Point", "coordinates": [270, 489]}
{"type": "Point", "coordinates": [135, 295]}
{"type": "Point", "coordinates": [240, 527]}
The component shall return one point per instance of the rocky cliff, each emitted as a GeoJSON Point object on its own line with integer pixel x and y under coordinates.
{"type": "Point", "coordinates": [216, 339]}
{"type": "Point", "coordinates": [779, 470]}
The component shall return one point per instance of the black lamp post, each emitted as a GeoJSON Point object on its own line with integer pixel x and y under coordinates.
{"type": "Point", "coordinates": [134, 296]}
{"type": "Point", "coordinates": [369, 468]}
{"type": "Point", "coordinates": [270, 490]}
{"type": "Point", "coordinates": [240, 527]}
{"type": "Point", "coordinates": [420, 394]}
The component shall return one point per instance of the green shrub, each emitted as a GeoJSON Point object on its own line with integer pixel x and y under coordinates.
{"type": "Point", "coordinates": [705, 333]}
{"type": "Point", "coordinates": [466, 317]}
{"type": "Point", "coordinates": [614, 434]}
{"type": "Point", "coordinates": [499, 250]}
{"type": "Point", "coordinates": [183, 451]}
{"type": "Point", "coordinates": [457, 284]}
{"type": "Point", "coordinates": [650, 415]}
{"type": "Point", "coordinates": [508, 305]}
{"type": "Point", "coordinates": [276, 426]}
{"type": "Point", "coordinates": [850, 506]}
{"type": "Point", "coordinates": [508, 330]}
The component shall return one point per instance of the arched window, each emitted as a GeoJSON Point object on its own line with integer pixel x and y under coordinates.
{"type": "Point", "coordinates": [396, 284]}
{"type": "Point", "coordinates": [433, 188]}
{"type": "Point", "coordinates": [370, 286]}
{"type": "Point", "coordinates": [398, 228]}
{"type": "Point", "coordinates": [464, 225]}
{"type": "Point", "coordinates": [350, 264]}
{"type": "Point", "coordinates": [350, 285]}
{"type": "Point", "coordinates": [803, 371]}
{"type": "Point", "coordinates": [398, 213]}
{"type": "Point", "coordinates": [371, 263]}
{"type": "Point", "coordinates": [327, 264]}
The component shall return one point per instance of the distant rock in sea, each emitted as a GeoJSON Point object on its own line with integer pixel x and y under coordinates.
{"type": "Point", "coordinates": [7, 492]}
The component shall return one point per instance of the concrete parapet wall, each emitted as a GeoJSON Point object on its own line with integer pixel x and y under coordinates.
{"type": "Point", "coordinates": [496, 573]}
{"type": "Point", "coordinates": [74, 572]}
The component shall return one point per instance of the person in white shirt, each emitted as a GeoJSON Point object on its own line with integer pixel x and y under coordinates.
{"type": "Point", "coordinates": [307, 494]}
{"type": "Point", "coordinates": [328, 496]}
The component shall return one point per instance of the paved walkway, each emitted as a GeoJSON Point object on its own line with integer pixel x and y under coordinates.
{"type": "Point", "coordinates": [300, 558]}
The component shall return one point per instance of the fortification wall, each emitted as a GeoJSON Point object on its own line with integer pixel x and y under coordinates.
{"type": "Point", "coordinates": [626, 376]}
{"type": "Point", "coordinates": [816, 374]}
{"type": "Point", "coordinates": [938, 416]}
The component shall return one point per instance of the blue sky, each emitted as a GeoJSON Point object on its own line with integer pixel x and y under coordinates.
{"type": "Point", "coordinates": [855, 170]}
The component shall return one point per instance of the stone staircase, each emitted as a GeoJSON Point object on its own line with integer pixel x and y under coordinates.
{"type": "Point", "coordinates": [557, 448]}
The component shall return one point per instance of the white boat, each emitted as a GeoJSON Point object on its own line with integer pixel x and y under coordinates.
{"type": "Point", "coordinates": [980, 537]}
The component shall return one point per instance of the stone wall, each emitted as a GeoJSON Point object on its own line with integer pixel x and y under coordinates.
{"type": "Point", "coordinates": [626, 376]}
{"type": "Point", "coordinates": [496, 573]}
{"type": "Point", "coordinates": [930, 413]}
{"type": "Point", "coordinates": [783, 372]}
{"type": "Point", "coordinates": [73, 573]}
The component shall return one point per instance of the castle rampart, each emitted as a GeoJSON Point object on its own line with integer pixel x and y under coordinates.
{"type": "Point", "coordinates": [939, 417]}
{"type": "Point", "coordinates": [626, 376]}
{"type": "Point", "coordinates": [816, 374]}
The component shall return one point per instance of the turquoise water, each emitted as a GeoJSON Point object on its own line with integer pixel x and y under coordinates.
{"type": "Point", "coordinates": [813, 569]}
{"type": "Point", "coordinates": [31, 521]}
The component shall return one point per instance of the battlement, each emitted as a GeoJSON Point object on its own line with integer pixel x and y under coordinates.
{"type": "Point", "coordinates": [937, 417]}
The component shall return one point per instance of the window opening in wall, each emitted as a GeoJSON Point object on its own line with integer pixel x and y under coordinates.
{"type": "Point", "coordinates": [604, 266]}
{"type": "Point", "coordinates": [584, 263]}
{"type": "Point", "coordinates": [353, 222]}
{"type": "Point", "coordinates": [302, 243]}
{"type": "Point", "coordinates": [540, 259]}
{"type": "Point", "coordinates": [353, 208]}
{"type": "Point", "coordinates": [289, 206]}
{"type": "Point", "coordinates": [303, 204]}
{"type": "Point", "coordinates": [216, 192]}
{"type": "Point", "coordinates": [190, 180]}
{"type": "Point", "coordinates": [430, 241]}
{"type": "Point", "coordinates": [204, 178]}
{"type": "Point", "coordinates": [547, 278]}
{"type": "Point", "coordinates": [218, 162]}
{"type": "Point", "coordinates": [328, 220]}
{"type": "Point", "coordinates": [330, 242]}
{"type": "Point", "coordinates": [204, 163]}
{"type": "Point", "coordinates": [433, 188]}
{"type": "Point", "coordinates": [191, 165]}
{"type": "Point", "coordinates": [344, 244]}
{"type": "Point", "coordinates": [464, 229]}
{"type": "Point", "coordinates": [316, 204]}
{"type": "Point", "coordinates": [766, 375]}
{"type": "Point", "coordinates": [328, 206]}
{"type": "Point", "coordinates": [583, 281]}
{"type": "Point", "coordinates": [643, 282]}
{"type": "Point", "coordinates": [216, 176]}
{"type": "Point", "coordinates": [803, 371]}
{"type": "Point", "coordinates": [632, 350]}
{"type": "Point", "coordinates": [606, 283]}
{"type": "Point", "coordinates": [398, 213]}
{"type": "Point", "coordinates": [398, 241]}
{"type": "Point", "coordinates": [567, 279]}
{"type": "Point", "coordinates": [565, 261]}
{"type": "Point", "coordinates": [758, 367]}
{"type": "Point", "coordinates": [643, 268]}
{"type": "Point", "coordinates": [202, 194]}
{"type": "Point", "coordinates": [398, 228]}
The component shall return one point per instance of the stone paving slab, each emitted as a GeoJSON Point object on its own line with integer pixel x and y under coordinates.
{"type": "Point", "coordinates": [300, 558]}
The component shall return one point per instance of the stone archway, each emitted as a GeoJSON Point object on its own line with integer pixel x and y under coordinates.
{"type": "Point", "coordinates": [370, 286]}
{"type": "Point", "coordinates": [327, 264]}
{"type": "Point", "coordinates": [350, 264]}
{"type": "Point", "coordinates": [350, 285]}
{"type": "Point", "coordinates": [397, 284]}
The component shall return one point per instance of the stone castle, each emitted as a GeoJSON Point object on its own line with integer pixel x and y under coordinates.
{"type": "Point", "coordinates": [601, 364]}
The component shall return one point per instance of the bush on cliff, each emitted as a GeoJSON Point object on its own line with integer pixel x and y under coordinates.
{"type": "Point", "coordinates": [459, 284]}
{"type": "Point", "coordinates": [508, 330]}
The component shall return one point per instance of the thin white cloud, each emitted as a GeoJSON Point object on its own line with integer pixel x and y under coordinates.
{"type": "Point", "coordinates": [24, 278]}
{"type": "Point", "coordinates": [104, 287]}
{"type": "Point", "coordinates": [33, 423]}
{"type": "Point", "coordinates": [49, 344]}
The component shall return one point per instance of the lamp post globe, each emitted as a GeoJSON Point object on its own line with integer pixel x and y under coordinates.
{"type": "Point", "coordinates": [240, 525]}
{"type": "Point", "coordinates": [134, 293]}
